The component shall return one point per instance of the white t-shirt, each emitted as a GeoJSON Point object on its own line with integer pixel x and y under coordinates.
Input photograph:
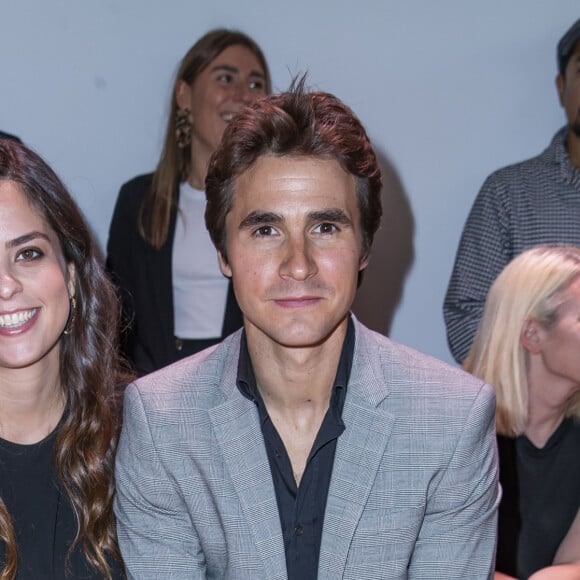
{"type": "Point", "coordinates": [199, 288]}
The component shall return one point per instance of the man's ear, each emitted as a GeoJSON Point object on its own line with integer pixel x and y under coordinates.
{"type": "Point", "coordinates": [364, 260]}
{"type": "Point", "coordinates": [224, 266]}
{"type": "Point", "coordinates": [560, 86]}
{"type": "Point", "coordinates": [531, 336]}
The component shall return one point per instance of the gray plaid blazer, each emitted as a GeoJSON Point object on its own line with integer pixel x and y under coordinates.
{"type": "Point", "coordinates": [413, 492]}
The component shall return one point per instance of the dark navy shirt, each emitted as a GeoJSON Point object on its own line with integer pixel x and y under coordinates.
{"type": "Point", "coordinates": [541, 496]}
{"type": "Point", "coordinates": [42, 515]}
{"type": "Point", "coordinates": [302, 508]}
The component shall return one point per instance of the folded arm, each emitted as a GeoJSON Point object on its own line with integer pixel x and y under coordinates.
{"type": "Point", "coordinates": [156, 534]}
{"type": "Point", "coordinates": [458, 535]}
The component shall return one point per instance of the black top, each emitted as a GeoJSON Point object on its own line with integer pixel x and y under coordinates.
{"type": "Point", "coordinates": [541, 496]}
{"type": "Point", "coordinates": [144, 278]}
{"type": "Point", "coordinates": [41, 513]}
{"type": "Point", "coordinates": [302, 508]}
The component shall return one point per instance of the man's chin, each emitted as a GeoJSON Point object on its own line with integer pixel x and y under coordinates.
{"type": "Point", "coordinates": [575, 126]}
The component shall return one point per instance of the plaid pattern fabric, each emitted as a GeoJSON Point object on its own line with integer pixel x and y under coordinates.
{"type": "Point", "coordinates": [413, 492]}
{"type": "Point", "coordinates": [520, 206]}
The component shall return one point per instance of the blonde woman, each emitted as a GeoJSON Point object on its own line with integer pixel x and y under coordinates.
{"type": "Point", "coordinates": [528, 347]}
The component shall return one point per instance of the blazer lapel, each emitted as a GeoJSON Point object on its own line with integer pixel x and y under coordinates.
{"type": "Point", "coordinates": [359, 452]}
{"type": "Point", "coordinates": [239, 436]}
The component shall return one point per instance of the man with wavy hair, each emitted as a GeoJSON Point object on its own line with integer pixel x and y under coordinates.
{"type": "Point", "coordinates": [305, 445]}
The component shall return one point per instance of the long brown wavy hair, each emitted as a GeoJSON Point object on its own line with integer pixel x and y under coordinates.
{"type": "Point", "coordinates": [174, 163]}
{"type": "Point", "coordinates": [90, 370]}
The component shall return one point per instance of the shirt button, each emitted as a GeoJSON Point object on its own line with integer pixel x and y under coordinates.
{"type": "Point", "coordinates": [298, 530]}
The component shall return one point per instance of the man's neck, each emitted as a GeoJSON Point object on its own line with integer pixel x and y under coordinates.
{"type": "Point", "coordinates": [573, 147]}
{"type": "Point", "coordinates": [294, 380]}
{"type": "Point", "coordinates": [296, 386]}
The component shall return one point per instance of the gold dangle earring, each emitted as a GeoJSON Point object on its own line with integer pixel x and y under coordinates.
{"type": "Point", "coordinates": [182, 128]}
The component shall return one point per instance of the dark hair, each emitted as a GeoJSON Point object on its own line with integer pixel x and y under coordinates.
{"type": "Point", "coordinates": [294, 123]}
{"type": "Point", "coordinates": [174, 163]}
{"type": "Point", "coordinates": [567, 45]}
{"type": "Point", "coordinates": [4, 135]}
{"type": "Point", "coordinates": [564, 57]}
{"type": "Point", "coordinates": [89, 367]}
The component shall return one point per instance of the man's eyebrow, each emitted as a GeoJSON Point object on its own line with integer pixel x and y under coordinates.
{"type": "Point", "coordinates": [257, 218]}
{"type": "Point", "coordinates": [333, 214]}
{"type": "Point", "coordinates": [25, 239]}
{"type": "Point", "coordinates": [232, 69]}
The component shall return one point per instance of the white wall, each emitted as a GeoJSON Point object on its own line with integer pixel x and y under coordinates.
{"type": "Point", "coordinates": [448, 90]}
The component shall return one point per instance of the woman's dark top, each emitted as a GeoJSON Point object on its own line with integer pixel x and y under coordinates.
{"type": "Point", "coordinates": [144, 278]}
{"type": "Point", "coordinates": [41, 513]}
{"type": "Point", "coordinates": [541, 496]}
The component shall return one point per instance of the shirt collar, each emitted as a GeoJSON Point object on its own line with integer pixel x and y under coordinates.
{"type": "Point", "coordinates": [246, 379]}
{"type": "Point", "coordinates": [557, 153]}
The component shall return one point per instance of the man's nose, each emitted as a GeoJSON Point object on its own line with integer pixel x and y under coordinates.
{"type": "Point", "coordinates": [298, 262]}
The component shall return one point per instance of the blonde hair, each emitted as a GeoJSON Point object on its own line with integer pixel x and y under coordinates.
{"type": "Point", "coordinates": [530, 287]}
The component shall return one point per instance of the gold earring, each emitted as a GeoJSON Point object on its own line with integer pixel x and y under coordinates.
{"type": "Point", "coordinates": [72, 315]}
{"type": "Point", "coordinates": [182, 128]}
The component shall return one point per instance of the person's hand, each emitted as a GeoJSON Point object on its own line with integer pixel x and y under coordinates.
{"type": "Point", "coordinates": [559, 572]}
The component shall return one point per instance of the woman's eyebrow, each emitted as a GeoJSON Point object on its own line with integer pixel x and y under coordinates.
{"type": "Point", "coordinates": [25, 239]}
{"type": "Point", "coordinates": [232, 69]}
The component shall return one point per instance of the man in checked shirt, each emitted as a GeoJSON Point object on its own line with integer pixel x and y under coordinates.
{"type": "Point", "coordinates": [533, 202]}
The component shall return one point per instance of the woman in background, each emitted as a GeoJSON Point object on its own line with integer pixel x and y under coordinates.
{"type": "Point", "coordinates": [528, 347]}
{"type": "Point", "coordinates": [59, 372]}
{"type": "Point", "coordinates": [175, 299]}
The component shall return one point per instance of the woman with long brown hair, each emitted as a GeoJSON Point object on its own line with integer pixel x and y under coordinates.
{"type": "Point", "coordinates": [175, 299]}
{"type": "Point", "coordinates": [59, 377]}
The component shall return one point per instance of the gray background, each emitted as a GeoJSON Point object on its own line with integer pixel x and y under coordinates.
{"type": "Point", "coordinates": [449, 91]}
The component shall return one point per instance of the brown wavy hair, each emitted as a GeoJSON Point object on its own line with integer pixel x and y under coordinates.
{"type": "Point", "coordinates": [294, 123]}
{"type": "Point", "coordinates": [174, 163]}
{"type": "Point", "coordinates": [90, 370]}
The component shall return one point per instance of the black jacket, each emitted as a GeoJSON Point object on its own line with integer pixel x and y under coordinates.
{"type": "Point", "coordinates": [144, 277]}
